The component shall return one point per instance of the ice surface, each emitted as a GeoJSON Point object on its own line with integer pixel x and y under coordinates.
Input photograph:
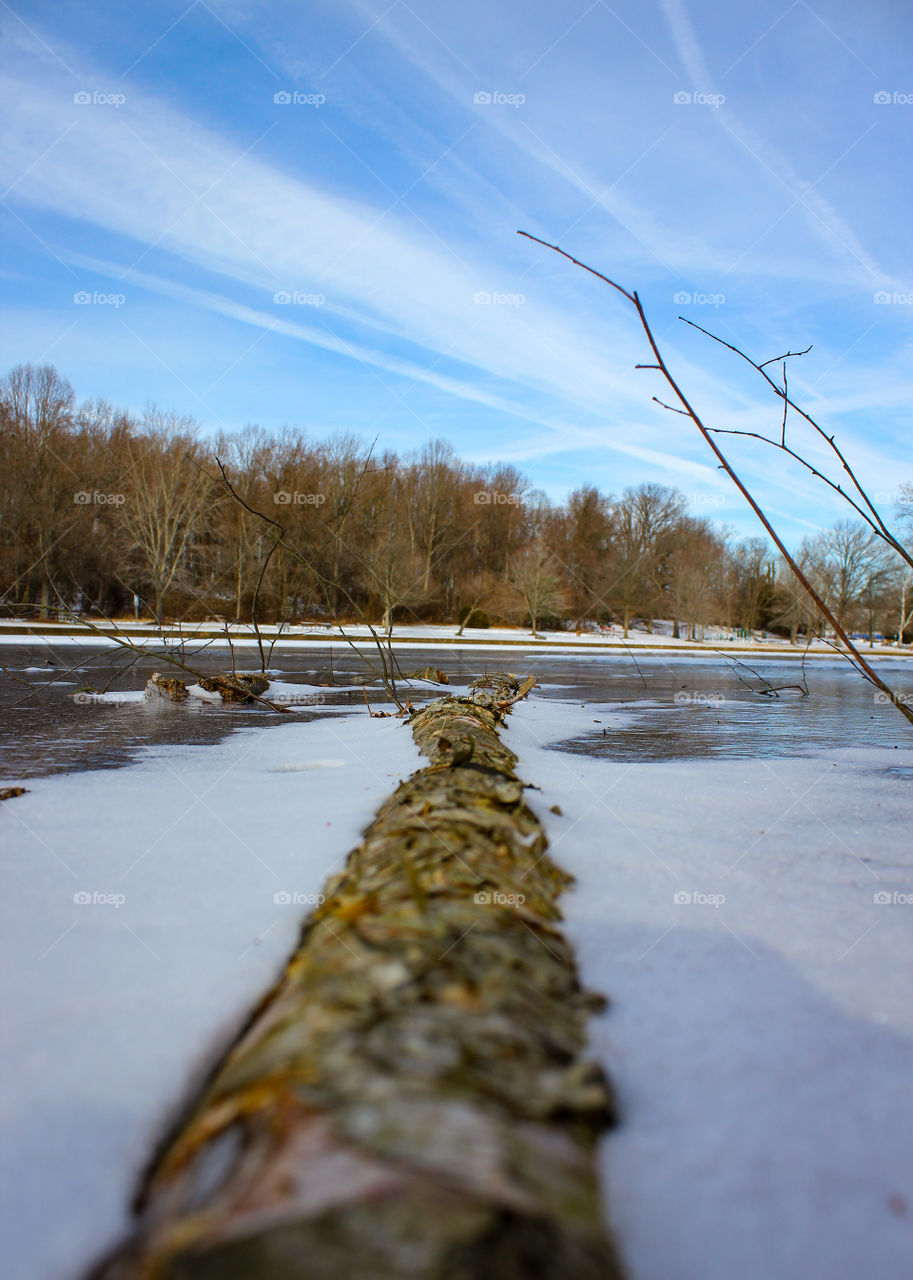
{"type": "Point", "coordinates": [763, 1045]}
{"type": "Point", "coordinates": [112, 1006]}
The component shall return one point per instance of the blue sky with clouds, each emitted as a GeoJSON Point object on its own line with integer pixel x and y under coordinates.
{"type": "Point", "coordinates": [306, 214]}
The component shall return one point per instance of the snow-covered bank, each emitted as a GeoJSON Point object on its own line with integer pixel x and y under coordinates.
{"type": "Point", "coordinates": [761, 1032]}
{"type": "Point", "coordinates": [146, 909]}
{"type": "Point", "coordinates": [428, 636]}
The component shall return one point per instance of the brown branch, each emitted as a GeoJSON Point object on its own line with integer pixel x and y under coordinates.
{"type": "Point", "coordinates": [784, 448]}
{"type": "Point", "coordinates": [875, 520]}
{"type": "Point", "coordinates": [692, 413]}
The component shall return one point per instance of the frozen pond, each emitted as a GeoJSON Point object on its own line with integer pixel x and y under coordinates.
{"type": "Point", "coordinates": [653, 709]}
{"type": "Point", "coordinates": [743, 896]}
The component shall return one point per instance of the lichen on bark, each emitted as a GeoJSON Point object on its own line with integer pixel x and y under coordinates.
{"type": "Point", "coordinates": [409, 1100]}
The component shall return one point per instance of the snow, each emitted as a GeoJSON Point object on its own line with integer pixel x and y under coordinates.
{"type": "Point", "coordinates": [285, 692]}
{"type": "Point", "coordinates": [427, 635]}
{"type": "Point", "coordinates": [113, 1005]}
{"type": "Point", "coordinates": [762, 1046]}
{"type": "Point", "coordinates": [760, 1034]}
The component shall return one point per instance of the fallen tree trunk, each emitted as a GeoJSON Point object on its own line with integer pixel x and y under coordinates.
{"type": "Point", "coordinates": [409, 1099]}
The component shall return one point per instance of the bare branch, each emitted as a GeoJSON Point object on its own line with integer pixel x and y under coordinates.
{"type": "Point", "coordinates": [874, 518]}
{"type": "Point", "coordinates": [692, 413]}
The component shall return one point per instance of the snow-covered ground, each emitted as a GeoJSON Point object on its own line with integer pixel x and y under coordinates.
{"type": "Point", "coordinates": [761, 1031]}
{"type": "Point", "coordinates": [429, 634]}
{"type": "Point", "coordinates": [752, 922]}
{"type": "Point", "coordinates": [145, 910]}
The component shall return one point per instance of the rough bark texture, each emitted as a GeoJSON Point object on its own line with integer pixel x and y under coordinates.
{"type": "Point", "coordinates": [243, 687]}
{"type": "Point", "coordinates": [409, 1100]}
{"type": "Point", "coordinates": [168, 687]}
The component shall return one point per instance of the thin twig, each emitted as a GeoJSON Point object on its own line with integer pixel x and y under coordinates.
{"type": "Point", "coordinates": [873, 518]}
{"type": "Point", "coordinates": [691, 412]}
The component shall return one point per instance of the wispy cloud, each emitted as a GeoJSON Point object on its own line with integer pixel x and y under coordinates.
{"type": "Point", "coordinates": [397, 202]}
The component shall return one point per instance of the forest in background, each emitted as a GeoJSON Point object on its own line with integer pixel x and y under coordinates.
{"type": "Point", "coordinates": [100, 509]}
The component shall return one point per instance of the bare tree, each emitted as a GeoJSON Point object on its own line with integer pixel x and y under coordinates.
{"type": "Point", "coordinates": [585, 535]}
{"type": "Point", "coordinates": [691, 586]}
{"type": "Point", "coordinates": [642, 524]}
{"type": "Point", "coordinates": [535, 578]}
{"type": "Point", "coordinates": [37, 406]}
{"type": "Point", "coordinates": [167, 498]}
{"type": "Point", "coordinates": [394, 572]}
{"type": "Point", "coordinates": [433, 484]}
{"type": "Point", "coordinates": [847, 560]}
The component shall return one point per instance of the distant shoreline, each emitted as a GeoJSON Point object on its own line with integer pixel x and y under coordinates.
{"type": "Point", "coordinates": [429, 637]}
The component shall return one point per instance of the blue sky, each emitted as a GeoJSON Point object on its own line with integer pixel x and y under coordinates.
{"type": "Point", "coordinates": [294, 214]}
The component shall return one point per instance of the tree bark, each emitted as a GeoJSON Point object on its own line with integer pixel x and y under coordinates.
{"type": "Point", "coordinates": [409, 1100]}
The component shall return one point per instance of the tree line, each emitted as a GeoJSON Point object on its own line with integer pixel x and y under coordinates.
{"type": "Point", "coordinates": [105, 513]}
